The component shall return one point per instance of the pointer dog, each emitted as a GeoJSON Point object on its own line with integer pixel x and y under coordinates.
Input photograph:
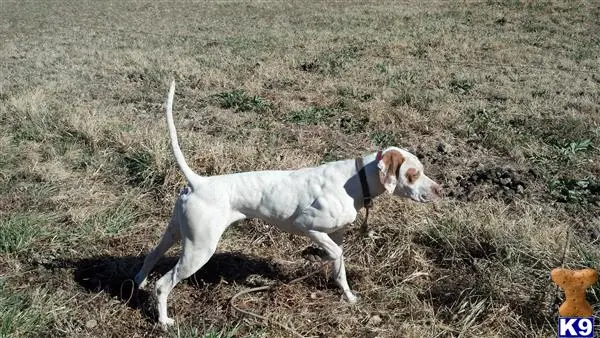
{"type": "Point", "coordinates": [315, 202]}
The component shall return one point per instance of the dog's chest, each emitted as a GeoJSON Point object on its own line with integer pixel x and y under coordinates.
{"type": "Point", "coordinates": [322, 209]}
{"type": "Point", "coordinates": [326, 213]}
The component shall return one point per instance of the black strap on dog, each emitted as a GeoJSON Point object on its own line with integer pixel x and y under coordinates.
{"type": "Point", "coordinates": [367, 198]}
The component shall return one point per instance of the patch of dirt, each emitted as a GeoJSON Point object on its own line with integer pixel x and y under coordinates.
{"type": "Point", "coordinates": [480, 181]}
{"type": "Point", "coordinates": [497, 182]}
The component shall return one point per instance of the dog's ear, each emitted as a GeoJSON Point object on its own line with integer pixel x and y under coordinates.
{"type": "Point", "coordinates": [389, 166]}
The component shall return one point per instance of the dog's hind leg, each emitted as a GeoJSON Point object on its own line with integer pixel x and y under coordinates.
{"type": "Point", "coordinates": [199, 244]}
{"type": "Point", "coordinates": [169, 237]}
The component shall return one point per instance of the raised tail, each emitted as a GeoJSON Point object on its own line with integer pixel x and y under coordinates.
{"type": "Point", "coordinates": [189, 174]}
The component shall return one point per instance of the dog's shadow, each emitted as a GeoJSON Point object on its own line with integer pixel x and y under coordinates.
{"type": "Point", "coordinates": [114, 275]}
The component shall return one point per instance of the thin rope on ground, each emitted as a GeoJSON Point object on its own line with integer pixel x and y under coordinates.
{"type": "Point", "coordinates": [267, 287]}
{"type": "Point", "coordinates": [130, 293]}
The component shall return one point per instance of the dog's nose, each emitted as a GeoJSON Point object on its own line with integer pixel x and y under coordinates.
{"type": "Point", "coordinates": [437, 190]}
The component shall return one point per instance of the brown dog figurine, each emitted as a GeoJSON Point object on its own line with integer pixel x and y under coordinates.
{"type": "Point", "coordinates": [574, 283]}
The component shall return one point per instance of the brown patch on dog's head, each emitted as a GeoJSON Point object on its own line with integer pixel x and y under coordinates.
{"type": "Point", "coordinates": [389, 169]}
{"type": "Point", "coordinates": [412, 175]}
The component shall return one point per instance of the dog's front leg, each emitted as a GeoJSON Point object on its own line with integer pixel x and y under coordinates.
{"type": "Point", "coordinates": [336, 254]}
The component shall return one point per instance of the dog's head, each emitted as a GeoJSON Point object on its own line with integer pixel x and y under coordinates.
{"type": "Point", "coordinates": [401, 174]}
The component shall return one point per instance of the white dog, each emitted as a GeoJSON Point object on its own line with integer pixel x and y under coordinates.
{"type": "Point", "coordinates": [316, 202]}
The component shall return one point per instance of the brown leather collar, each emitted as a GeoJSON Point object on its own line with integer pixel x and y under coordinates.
{"type": "Point", "coordinates": [367, 198]}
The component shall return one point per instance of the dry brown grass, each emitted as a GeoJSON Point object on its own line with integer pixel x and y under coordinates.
{"type": "Point", "coordinates": [500, 99]}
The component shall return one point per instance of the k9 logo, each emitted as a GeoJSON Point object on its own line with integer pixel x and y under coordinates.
{"type": "Point", "coordinates": [575, 327]}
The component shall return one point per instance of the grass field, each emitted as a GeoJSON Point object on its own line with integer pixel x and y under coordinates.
{"type": "Point", "coordinates": [500, 100]}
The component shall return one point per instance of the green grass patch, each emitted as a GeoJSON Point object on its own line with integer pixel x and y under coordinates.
{"type": "Point", "coordinates": [240, 101]}
{"type": "Point", "coordinates": [19, 231]}
{"type": "Point", "coordinates": [352, 124]}
{"type": "Point", "coordinates": [382, 139]}
{"type": "Point", "coordinates": [114, 220]}
{"type": "Point", "coordinates": [578, 146]}
{"type": "Point", "coordinates": [139, 166]}
{"type": "Point", "coordinates": [584, 191]}
{"type": "Point", "coordinates": [141, 169]}
{"type": "Point", "coordinates": [461, 86]}
{"type": "Point", "coordinates": [23, 314]}
{"type": "Point", "coordinates": [311, 115]}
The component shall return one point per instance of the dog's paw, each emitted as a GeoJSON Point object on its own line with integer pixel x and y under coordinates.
{"type": "Point", "coordinates": [350, 297]}
{"type": "Point", "coordinates": [166, 323]}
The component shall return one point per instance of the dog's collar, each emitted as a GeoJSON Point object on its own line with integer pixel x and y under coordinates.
{"type": "Point", "coordinates": [367, 198]}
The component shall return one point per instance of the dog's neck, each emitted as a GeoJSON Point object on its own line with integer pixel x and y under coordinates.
{"type": "Point", "coordinates": [353, 186]}
{"type": "Point", "coordinates": [372, 175]}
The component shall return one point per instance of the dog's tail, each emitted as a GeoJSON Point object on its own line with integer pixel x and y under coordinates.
{"type": "Point", "coordinates": [189, 174]}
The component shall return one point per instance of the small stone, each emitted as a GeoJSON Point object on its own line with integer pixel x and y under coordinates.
{"type": "Point", "coordinates": [91, 323]}
{"type": "Point", "coordinates": [375, 320]}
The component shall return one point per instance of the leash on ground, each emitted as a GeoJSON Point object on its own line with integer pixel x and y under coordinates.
{"type": "Point", "coordinates": [267, 287]}
{"type": "Point", "coordinates": [130, 293]}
